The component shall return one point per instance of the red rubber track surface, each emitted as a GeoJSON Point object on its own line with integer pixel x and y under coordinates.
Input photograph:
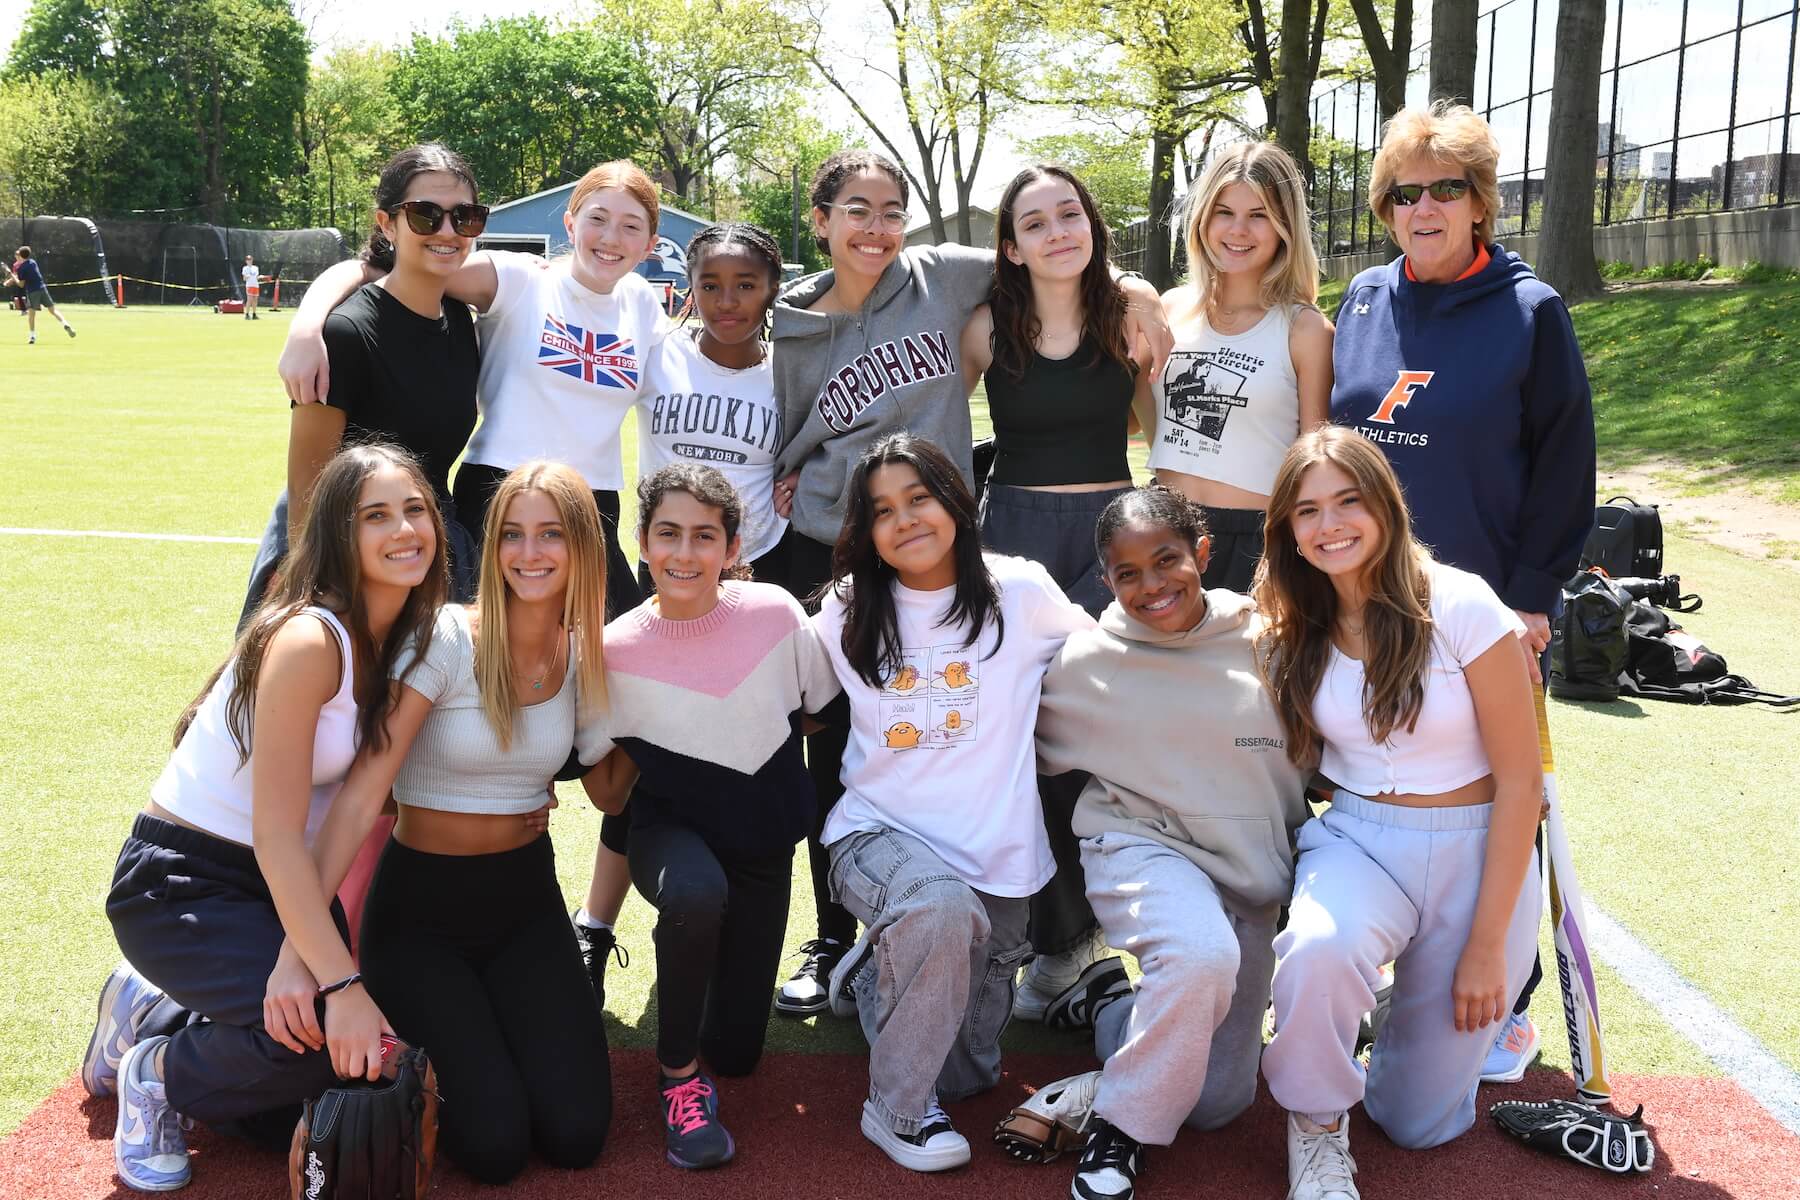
{"type": "Point", "coordinates": [795, 1122]}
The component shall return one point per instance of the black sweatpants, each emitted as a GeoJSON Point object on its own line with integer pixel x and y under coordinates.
{"type": "Point", "coordinates": [193, 915]}
{"type": "Point", "coordinates": [808, 569]}
{"type": "Point", "coordinates": [475, 486]}
{"type": "Point", "coordinates": [472, 958]}
{"type": "Point", "coordinates": [719, 932]}
{"type": "Point", "coordinates": [1237, 547]}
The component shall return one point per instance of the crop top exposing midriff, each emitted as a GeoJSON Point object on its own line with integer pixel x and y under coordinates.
{"type": "Point", "coordinates": [457, 764]}
{"type": "Point", "coordinates": [1444, 750]}
{"type": "Point", "coordinates": [1064, 422]}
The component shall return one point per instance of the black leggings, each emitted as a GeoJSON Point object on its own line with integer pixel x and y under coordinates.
{"type": "Point", "coordinates": [472, 958]}
{"type": "Point", "coordinates": [719, 932]}
{"type": "Point", "coordinates": [475, 487]}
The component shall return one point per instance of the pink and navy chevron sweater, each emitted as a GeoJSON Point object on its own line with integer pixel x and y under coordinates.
{"type": "Point", "coordinates": [709, 711]}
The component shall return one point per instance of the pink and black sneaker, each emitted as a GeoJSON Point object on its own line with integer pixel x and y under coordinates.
{"type": "Point", "coordinates": [692, 1135]}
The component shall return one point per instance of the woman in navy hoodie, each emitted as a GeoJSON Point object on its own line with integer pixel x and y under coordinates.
{"type": "Point", "coordinates": [1462, 365]}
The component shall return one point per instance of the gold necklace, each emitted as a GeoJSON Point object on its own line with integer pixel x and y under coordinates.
{"type": "Point", "coordinates": [537, 684]}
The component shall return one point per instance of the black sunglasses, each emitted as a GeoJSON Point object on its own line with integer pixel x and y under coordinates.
{"type": "Point", "coordinates": [425, 218]}
{"type": "Point", "coordinates": [1442, 190]}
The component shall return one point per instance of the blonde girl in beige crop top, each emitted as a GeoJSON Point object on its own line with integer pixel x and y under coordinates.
{"type": "Point", "coordinates": [1251, 368]}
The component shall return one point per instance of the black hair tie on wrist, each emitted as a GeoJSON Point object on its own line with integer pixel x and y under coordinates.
{"type": "Point", "coordinates": [340, 985]}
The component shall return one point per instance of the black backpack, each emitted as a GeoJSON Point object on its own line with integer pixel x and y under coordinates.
{"type": "Point", "coordinates": [1587, 641]}
{"type": "Point", "coordinates": [1665, 662]}
{"type": "Point", "coordinates": [1626, 541]}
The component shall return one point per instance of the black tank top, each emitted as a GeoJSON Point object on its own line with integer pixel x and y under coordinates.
{"type": "Point", "coordinates": [1064, 422]}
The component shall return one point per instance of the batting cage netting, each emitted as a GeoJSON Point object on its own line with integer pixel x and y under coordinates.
{"type": "Point", "coordinates": [106, 261]}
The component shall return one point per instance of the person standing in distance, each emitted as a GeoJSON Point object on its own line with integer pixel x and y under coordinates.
{"type": "Point", "coordinates": [252, 286]}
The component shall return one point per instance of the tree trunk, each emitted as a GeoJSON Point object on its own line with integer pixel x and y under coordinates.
{"type": "Point", "coordinates": [1389, 58]}
{"type": "Point", "coordinates": [1453, 50]}
{"type": "Point", "coordinates": [1158, 266]}
{"type": "Point", "coordinates": [1566, 245]}
{"type": "Point", "coordinates": [1294, 79]}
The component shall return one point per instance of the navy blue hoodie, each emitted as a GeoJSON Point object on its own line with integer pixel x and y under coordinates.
{"type": "Point", "coordinates": [1477, 393]}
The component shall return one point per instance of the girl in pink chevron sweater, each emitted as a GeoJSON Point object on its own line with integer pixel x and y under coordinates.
{"type": "Point", "coordinates": [709, 683]}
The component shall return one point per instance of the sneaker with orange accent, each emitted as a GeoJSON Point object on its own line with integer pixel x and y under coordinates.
{"type": "Point", "coordinates": [692, 1135]}
{"type": "Point", "coordinates": [1514, 1049]}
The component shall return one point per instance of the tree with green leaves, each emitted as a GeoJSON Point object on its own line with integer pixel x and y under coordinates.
{"type": "Point", "coordinates": [209, 90]}
{"type": "Point", "coordinates": [346, 129]}
{"type": "Point", "coordinates": [717, 67]}
{"type": "Point", "coordinates": [1387, 38]}
{"type": "Point", "coordinates": [956, 65]}
{"type": "Point", "coordinates": [775, 178]}
{"type": "Point", "coordinates": [56, 134]}
{"type": "Point", "coordinates": [1111, 164]}
{"type": "Point", "coordinates": [530, 106]}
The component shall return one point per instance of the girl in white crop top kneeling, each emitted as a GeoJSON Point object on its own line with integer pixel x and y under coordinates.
{"type": "Point", "coordinates": [213, 1018]}
{"type": "Point", "coordinates": [1407, 680]}
{"type": "Point", "coordinates": [464, 940]}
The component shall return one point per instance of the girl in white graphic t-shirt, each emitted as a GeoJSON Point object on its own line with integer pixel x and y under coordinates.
{"type": "Point", "coordinates": [937, 843]}
{"type": "Point", "coordinates": [562, 351]}
{"type": "Point", "coordinates": [1251, 369]}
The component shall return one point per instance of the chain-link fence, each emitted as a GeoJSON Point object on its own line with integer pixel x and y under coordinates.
{"type": "Point", "coordinates": [1697, 114]}
{"type": "Point", "coordinates": [102, 260]}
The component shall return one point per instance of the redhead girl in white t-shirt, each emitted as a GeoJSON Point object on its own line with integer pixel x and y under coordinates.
{"type": "Point", "coordinates": [1404, 680]}
{"type": "Point", "coordinates": [937, 844]}
{"type": "Point", "coordinates": [1251, 369]}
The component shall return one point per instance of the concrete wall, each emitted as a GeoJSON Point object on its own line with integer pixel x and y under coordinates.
{"type": "Point", "coordinates": [1766, 235]}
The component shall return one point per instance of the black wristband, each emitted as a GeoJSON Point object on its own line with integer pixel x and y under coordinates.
{"type": "Point", "coordinates": [340, 985]}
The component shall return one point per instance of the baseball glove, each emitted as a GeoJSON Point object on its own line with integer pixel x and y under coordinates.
{"type": "Point", "coordinates": [369, 1141]}
{"type": "Point", "coordinates": [1588, 1135]}
{"type": "Point", "coordinates": [1052, 1121]}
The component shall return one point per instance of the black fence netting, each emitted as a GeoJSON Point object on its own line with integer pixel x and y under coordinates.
{"type": "Point", "coordinates": [153, 262]}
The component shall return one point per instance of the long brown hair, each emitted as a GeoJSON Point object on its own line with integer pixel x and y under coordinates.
{"type": "Point", "coordinates": [1016, 324]}
{"type": "Point", "coordinates": [584, 599]}
{"type": "Point", "coordinates": [1301, 606]}
{"type": "Point", "coordinates": [324, 569]}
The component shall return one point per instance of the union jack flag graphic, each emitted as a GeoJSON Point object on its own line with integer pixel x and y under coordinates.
{"type": "Point", "coordinates": [602, 359]}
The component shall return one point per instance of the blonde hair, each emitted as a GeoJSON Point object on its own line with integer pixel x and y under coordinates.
{"type": "Point", "coordinates": [584, 600]}
{"type": "Point", "coordinates": [625, 175]}
{"type": "Point", "coordinates": [1448, 133]}
{"type": "Point", "coordinates": [1292, 276]}
{"type": "Point", "coordinates": [1300, 604]}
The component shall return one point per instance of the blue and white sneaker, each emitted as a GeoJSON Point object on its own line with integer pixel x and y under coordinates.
{"type": "Point", "coordinates": [149, 1147]}
{"type": "Point", "coordinates": [124, 1000]}
{"type": "Point", "coordinates": [1515, 1048]}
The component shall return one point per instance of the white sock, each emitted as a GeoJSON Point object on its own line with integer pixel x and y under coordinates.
{"type": "Point", "coordinates": [587, 921]}
{"type": "Point", "coordinates": [1319, 1122]}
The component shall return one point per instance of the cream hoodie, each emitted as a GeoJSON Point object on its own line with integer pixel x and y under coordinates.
{"type": "Point", "coordinates": [1182, 742]}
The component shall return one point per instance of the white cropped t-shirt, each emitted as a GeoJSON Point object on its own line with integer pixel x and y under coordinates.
{"type": "Point", "coordinates": [456, 763]}
{"type": "Point", "coordinates": [1443, 751]}
{"type": "Point", "coordinates": [204, 784]}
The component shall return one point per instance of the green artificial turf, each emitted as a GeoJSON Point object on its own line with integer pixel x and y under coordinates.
{"type": "Point", "coordinates": [167, 420]}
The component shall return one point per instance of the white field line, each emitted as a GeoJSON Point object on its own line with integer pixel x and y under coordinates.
{"type": "Point", "coordinates": [1734, 1049]}
{"type": "Point", "coordinates": [135, 537]}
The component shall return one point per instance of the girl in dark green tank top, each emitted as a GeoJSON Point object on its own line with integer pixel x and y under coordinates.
{"type": "Point", "coordinates": [1061, 383]}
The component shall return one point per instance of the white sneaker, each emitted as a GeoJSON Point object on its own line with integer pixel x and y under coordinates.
{"type": "Point", "coordinates": [936, 1147]}
{"type": "Point", "coordinates": [1050, 975]}
{"type": "Point", "coordinates": [1319, 1164]}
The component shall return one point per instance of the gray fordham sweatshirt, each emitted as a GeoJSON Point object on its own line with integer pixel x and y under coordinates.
{"type": "Point", "coordinates": [1183, 743]}
{"type": "Point", "coordinates": [843, 382]}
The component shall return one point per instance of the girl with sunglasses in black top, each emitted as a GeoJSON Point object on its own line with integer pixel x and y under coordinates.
{"type": "Point", "coordinates": [403, 357]}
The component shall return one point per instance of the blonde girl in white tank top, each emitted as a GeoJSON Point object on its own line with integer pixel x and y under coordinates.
{"type": "Point", "coordinates": [1251, 368]}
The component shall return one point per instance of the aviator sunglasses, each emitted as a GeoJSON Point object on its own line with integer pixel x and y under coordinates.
{"type": "Point", "coordinates": [425, 218]}
{"type": "Point", "coordinates": [1442, 190]}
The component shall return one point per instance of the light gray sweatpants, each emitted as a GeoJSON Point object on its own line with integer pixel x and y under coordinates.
{"type": "Point", "coordinates": [1376, 883]}
{"type": "Point", "coordinates": [945, 955]}
{"type": "Point", "coordinates": [1183, 1048]}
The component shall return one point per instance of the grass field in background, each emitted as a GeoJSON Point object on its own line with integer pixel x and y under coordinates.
{"type": "Point", "coordinates": [171, 421]}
